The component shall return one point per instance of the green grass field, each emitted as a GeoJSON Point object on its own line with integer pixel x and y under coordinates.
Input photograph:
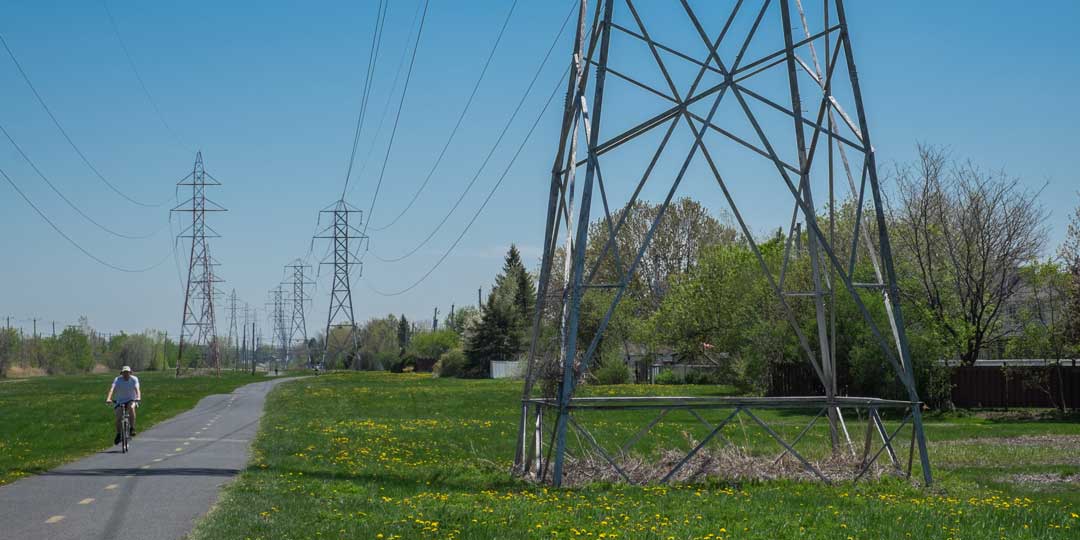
{"type": "Point", "coordinates": [47, 421]}
{"type": "Point", "coordinates": [378, 455]}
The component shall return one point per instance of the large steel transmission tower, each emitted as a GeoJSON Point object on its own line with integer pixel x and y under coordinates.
{"type": "Point", "coordinates": [761, 99]}
{"type": "Point", "coordinates": [346, 239]}
{"type": "Point", "coordinates": [299, 300]}
{"type": "Point", "coordinates": [198, 327]}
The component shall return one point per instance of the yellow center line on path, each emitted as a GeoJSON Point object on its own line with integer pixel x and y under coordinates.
{"type": "Point", "coordinates": [112, 486]}
{"type": "Point", "coordinates": [87, 500]}
{"type": "Point", "coordinates": [178, 450]}
{"type": "Point", "coordinates": [145, 467]}
{"type": "Point", "coordinates": [157, 460]}
{"type": "Point", "coordinates": [54, 519]}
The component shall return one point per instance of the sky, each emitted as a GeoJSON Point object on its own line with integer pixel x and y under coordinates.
{"type": "Point", "coordinates": [269, 92]}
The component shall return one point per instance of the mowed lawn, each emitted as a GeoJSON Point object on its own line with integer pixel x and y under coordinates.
{"type": "Point", "coordinates": [379, 455]}
{"type": "Point", "coordinates": [47, 421]}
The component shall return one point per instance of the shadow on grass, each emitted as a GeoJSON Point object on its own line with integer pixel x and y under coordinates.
{"type": "Point", "coordinates": [137, 472]}
{"type": "Point", "coordinates": [461, 481]}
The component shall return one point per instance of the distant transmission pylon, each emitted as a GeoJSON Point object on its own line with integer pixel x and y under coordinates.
{"type": "Point", "coordinates": [345, 238]}
{"type": "Point", "coordinates": [279, 328]}
{"type": "Point", "coordinates": [299, 299]}
{"type": "Point", "coordinates": [233, 337]}
{"type": "Point", "coordinates": [198, 327]}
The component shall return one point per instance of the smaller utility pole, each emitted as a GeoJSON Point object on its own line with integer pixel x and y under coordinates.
{"type": "Point", "coordinates": [243, 348]}
{"type": "Point", "coordinates": [254, 348]}
{"type": "Point", "coordinates": [54, 329]}
{"type": "Point", "coordinates": [435, 320]}
{"type": "Point", "coordinates": [479, 298]}
{"type": "Point", "coordinates": [35, 328]}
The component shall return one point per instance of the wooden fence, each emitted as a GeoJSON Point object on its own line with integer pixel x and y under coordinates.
{"type": "Point", "coordinates": [972, 386]}
{"type": "Point", "coordinates": [992, 386]}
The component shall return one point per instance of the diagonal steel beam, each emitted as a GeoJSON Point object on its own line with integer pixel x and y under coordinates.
{"type": "Point", "coordinates": [887, 444]}
{"type": "Point", "coordinates": [626, 446]}
{"type": "Point", "coordinates": [801, 434]}
{"type": "Point", "coordinates": [592, 441]}
{"type": "Point", "coordinates": [693, 452]}
{"type": "Point", "coordinates": [806, 464]}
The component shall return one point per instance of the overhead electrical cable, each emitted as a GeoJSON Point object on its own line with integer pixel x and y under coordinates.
{"type": "Point", "coordinates": [77, 246]}
{"type": "Point", "coordinates": [457, 124]}
{"type": "Point", "coordinates": [389, 98]}
{"type": "Point", "coordinates": [373, 59]}
{"type": "Point", "coordinates": [67, 200]}
{"type": "Point", "coordinates": [397, 117]}
{"type": "Point", "coordinates": [491, 152]}
{"type": "Point", "coordinates": [483, 204]}
{"type": "Point", "coordinates": [138, 76]}
{"type": "Point", "coordinates": [60, 127]}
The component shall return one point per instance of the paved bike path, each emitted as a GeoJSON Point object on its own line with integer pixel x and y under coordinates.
{"type": "Point", "coordinates": [170, 477]}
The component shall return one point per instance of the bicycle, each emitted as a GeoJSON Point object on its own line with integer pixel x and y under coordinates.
{"type": "Point", "coordinates": [125, 424]}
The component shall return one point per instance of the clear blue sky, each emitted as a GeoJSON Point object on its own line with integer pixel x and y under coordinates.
{"type": "Point", "coordinates": [269, 91]}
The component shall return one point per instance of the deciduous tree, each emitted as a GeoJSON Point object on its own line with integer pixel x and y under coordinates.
{"type": "Point", "coordinates": [964, 234]}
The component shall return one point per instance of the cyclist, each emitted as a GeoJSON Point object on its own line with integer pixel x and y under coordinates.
{"type": "Point", "coordinates": [126, 390]}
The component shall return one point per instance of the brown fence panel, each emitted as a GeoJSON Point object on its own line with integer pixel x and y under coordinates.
{"type": "Point", "coordinates": [795, 379]}
{"type": "Point", "coordinates": [972, 387]}
{"type": "Point", "coordinates": [986, 386]}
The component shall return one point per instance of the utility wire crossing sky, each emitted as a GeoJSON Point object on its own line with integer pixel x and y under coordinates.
{"type": "Point", "coordinates": [439, 119]}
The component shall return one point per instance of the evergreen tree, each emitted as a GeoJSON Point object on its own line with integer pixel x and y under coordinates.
{"type": "Point", "coordinates": [506, 283]}
{"type": "Point", "coordinates": [515, 294]}
{"type": "Point", "coordinates": [493, 338]}
{"type": "Point", "coordinates": [403, 332]}
{"type": "Point", "coordinates": [525, 296]}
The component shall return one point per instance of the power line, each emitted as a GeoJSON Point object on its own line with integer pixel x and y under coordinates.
{"type": "Point", "coordinates": [60, 127]}
{"type": "Point", "coordinates": [389, 97]}
{"type": "Point", "coordinates": [460, 119]}
{"type": "Point", "coordinates": [68, 201]}
{"type": "Point", "coordinates": [482, 205]}
{"type": "Point", "coordinates": [373, 59]}
{"type": "Point", "coordinates": [397, 117]}
{"type": "Point", "coordinates": [491, 152]}
{"type": "Point", "coordinates": [86, 252]}
{"type": "Point", "coordinates": [138, 76]}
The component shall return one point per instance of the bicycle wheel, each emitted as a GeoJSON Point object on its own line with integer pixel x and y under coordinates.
{"type": "Point", "coordinates": [125, 433]}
